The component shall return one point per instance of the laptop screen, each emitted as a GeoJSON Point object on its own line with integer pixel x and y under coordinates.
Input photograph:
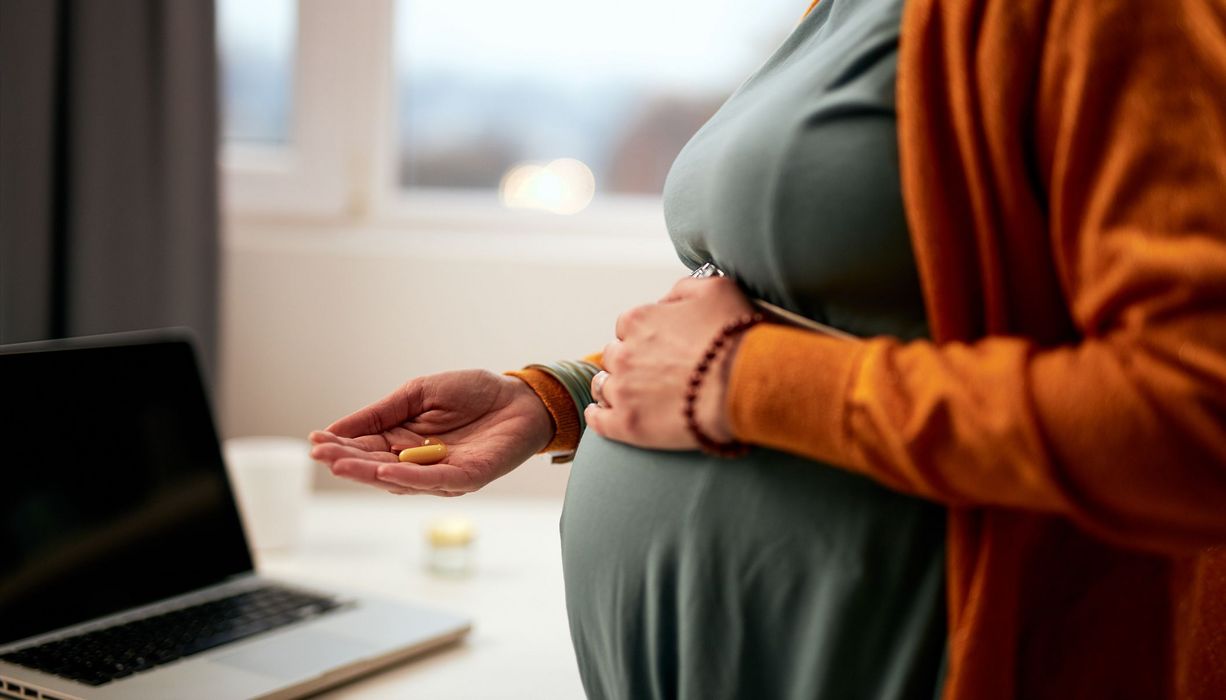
{"type": "Point", "coordinates": [113, 492]}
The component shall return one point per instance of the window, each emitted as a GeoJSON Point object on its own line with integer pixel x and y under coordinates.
{"type": "Point", "coordinates": [496, 113]}
{"type": "Point", "coordinates": [552, 99]}
{"type": "Point", "coordinates": [257, 69]}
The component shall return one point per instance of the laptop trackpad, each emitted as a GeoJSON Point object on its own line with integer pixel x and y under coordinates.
{"type": "Point", "coordinates": [300, 654]}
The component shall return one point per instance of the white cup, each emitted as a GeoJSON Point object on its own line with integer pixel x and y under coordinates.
{"type": "Point", "coordinates": [271, 479]}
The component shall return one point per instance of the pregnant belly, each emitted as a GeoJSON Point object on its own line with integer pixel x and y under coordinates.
{"type": "Point", "coordinates": [767, 573]}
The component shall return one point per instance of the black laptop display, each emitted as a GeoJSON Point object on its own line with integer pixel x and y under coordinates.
{"type": "Point", "coordinates": [113, 489]}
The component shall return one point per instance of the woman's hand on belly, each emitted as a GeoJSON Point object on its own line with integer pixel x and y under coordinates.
{"type": "Point", "coordinates": [649, 365]}
{"type": "Point", "coordinates": [490, 424]}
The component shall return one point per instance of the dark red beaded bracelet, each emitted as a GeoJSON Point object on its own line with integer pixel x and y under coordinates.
{"type": "Point", "coordinates": [706, 443]}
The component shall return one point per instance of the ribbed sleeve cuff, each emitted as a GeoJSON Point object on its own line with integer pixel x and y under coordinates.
{"type": "Point", "coordinates": [788, 388]}
{"type": "Point", "coordinates": [559, 404]}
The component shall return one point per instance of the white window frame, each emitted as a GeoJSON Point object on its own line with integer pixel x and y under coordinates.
{"type": "Point", "coordinates": [340, 165]}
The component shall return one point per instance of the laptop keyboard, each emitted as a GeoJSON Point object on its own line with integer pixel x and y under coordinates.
{"type": "Point", "coordinates": [115, 652]}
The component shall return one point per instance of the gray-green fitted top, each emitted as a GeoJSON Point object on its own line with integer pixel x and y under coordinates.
{"type": "Point", "coordinates": [772, 575]}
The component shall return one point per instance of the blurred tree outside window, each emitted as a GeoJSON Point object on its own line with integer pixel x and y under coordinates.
{"type": "Point", "coordinates": [538, 96]}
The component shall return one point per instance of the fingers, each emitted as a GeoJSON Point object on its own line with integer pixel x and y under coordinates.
{"type": "Point", "coordinates": [392, 410]}
{"type": "Point", "coordinates": [613, 357]}
{"type": "Point", "coordinates": [636, 425]}
{"type": "Point", "coordinates": [366, 471]}
{"type": "Point", "coordinates": [620, 425]}
{"type": "Point", "coordinates": [401, 491]}
{"type": "Point", "coordinates": [435, 478]}
{"type": "Point", "coordinates": [361, 470]}
{"type": "Point", "coordinates": [353, 463]}
{"type": "Point", "coordinates": [418, 492]}
{"type": "Point", "coordinates": [384, 470]}
{"type": "Point", "coordinates": [687, 286]}
{"type": "Point", "coordinates": [405, 491]}
{"type": "Point", "coordinates": [332, 451]}
{"type": "Point", "coordinates": [601, 420]}
{"type": "Point", "coordinates": [629, 320]}
{"type": "Point", "coordinates": [370, 443]}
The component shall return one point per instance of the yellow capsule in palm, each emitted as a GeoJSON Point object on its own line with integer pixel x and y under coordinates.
{"type": "Point", "coordinates": [430, 451]}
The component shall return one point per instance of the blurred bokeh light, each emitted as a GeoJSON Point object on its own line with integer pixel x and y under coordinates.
{"type": "Point", "coordinates": [563, 186]}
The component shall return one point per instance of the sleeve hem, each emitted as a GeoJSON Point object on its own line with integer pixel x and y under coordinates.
{"type": "Point", "coordinates": [560, 406]}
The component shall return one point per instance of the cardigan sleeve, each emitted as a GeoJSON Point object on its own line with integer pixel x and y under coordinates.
{"type": "Point", "coordinates": [1122, 431]}
{"type": "Point", "coordinates": [561, 407]}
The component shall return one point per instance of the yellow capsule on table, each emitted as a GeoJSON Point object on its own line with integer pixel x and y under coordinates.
{"type": "Point", "coordinates": [431, 451]}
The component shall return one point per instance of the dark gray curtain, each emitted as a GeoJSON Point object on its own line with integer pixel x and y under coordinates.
{"type": "Point", "coordinates": [108, 175]}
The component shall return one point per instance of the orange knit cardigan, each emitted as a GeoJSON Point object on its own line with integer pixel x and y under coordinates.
{"type": "Point", "coordinates": [1064, 174]}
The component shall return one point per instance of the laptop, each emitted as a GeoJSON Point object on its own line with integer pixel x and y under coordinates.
{"type": "Point", "coordinates": [124, 570]}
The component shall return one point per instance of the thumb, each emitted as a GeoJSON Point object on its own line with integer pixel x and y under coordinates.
{"type": "Point", "coordinates": [392, 410]}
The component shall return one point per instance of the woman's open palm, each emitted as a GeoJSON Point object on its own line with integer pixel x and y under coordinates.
{"type": "Point", "coordinates": [489, 422]}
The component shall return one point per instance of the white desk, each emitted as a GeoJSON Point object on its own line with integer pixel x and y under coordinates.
{"type": "Point", "coordinates": [520, 643]}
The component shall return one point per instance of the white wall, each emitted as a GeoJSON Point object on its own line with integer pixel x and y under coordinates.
{"type": "Point", "coordinates": [318, 320]}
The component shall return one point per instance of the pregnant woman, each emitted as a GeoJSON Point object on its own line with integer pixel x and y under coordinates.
{"type": "Point", "coordinates": [1009, 483]}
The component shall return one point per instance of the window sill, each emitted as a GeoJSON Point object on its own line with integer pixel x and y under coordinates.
{"type": "Point", "coordinates": [497, 240]}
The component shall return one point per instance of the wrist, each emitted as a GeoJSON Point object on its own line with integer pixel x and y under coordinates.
{"type": "Point", "coordinates": [541, 427]}
{"type": "Point", "coordinates": [723, 416]}
{"type": "Point", "coordinates": [706, 414]}
{"type": "Point", "coordinates": [563, 414]}
{"type": "Point", "coordinates": [716, 419]}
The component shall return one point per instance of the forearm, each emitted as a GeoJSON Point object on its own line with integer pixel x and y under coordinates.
{"type": "Point", "coordinates": [1107, 432]}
